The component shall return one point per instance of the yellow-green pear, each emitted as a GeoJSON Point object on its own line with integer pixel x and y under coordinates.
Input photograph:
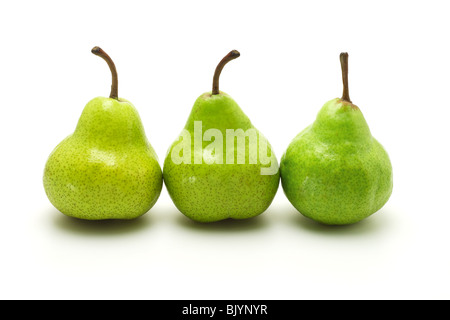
{"type": "Point", "coordinates": [106, 169]}
{"type": "Point", "coordinates": [221, 166]}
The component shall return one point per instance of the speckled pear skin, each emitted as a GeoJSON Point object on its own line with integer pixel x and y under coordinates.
{"type": "Point", "coordinates": [106, 169]}
{"type": "Point", "coordinates": [334, 171]}
{"type": "Point", "coordinates": [214, 192]}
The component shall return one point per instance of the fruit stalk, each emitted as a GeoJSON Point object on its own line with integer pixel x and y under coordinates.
{"type": "Point", "coordinates": [115, 82]}
{"type": "Point", "coordinates": [230, 56]}
{"type": "Point", "coordinates": [344, 67]}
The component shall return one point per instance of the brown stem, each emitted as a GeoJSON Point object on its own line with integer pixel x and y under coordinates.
{"type": "Point", "coordinates": [230, 56]}
{"type": "Point", "coordinates": [115, 82]}
{"type": "Point", "coordinates": [344, 67]}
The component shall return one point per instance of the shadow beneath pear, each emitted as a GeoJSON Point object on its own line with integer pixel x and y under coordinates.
{"type": "Point", "coordinates": [375, 223]}
{"type": "Point", "coordinates": [100, 227]}
{"type": "Point", "coordinates": [223, 226]}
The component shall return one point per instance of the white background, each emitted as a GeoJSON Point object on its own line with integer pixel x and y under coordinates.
{"type": "Point", "coordinates": [165, 53]}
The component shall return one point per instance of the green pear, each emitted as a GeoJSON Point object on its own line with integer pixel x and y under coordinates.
{"type": "Point", "coordinates": [335, 171]}
{"type": "Point", "coordinates": [106, 169]}
{"type": "Point", "coordinates": [220, 167]}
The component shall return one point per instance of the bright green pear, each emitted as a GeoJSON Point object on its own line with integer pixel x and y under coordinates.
{"type": "Point", "coordinates": [106, 169]}
{"type": "Point", "coordinates": [220, 167]}
{"type": "Point", "coordinates": [335, 171]}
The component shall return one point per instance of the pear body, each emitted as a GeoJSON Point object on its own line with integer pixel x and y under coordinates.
{"type": "Point", "coordinates": [106, 169]}
{"type": "Point", "coordinates": [335, 171]}
{"type": "Point", "coordinates": [218, 188]}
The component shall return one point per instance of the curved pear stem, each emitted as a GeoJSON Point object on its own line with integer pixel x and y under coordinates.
{"type": "Point", "coordinates": [344, 66]}
{"type": "Point", "coordinates": [115, 82]}
{"type": "Point", "coordinates": [230, 56]}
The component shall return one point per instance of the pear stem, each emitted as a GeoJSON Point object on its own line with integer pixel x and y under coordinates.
{"type": "Point", "coordinates": [230, 56]}
{"type": "Point", "coordinates": [115, 82]}
{"type": "Point", "coordinates": [344, 66]}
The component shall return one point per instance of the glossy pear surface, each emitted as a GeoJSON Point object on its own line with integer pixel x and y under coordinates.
{"type": "Point", "coordinates": [335, 171]}
{"type": "Point", "coordinates": [106, 169]}
{"type": "Point", "coordinates": [212, 192]}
